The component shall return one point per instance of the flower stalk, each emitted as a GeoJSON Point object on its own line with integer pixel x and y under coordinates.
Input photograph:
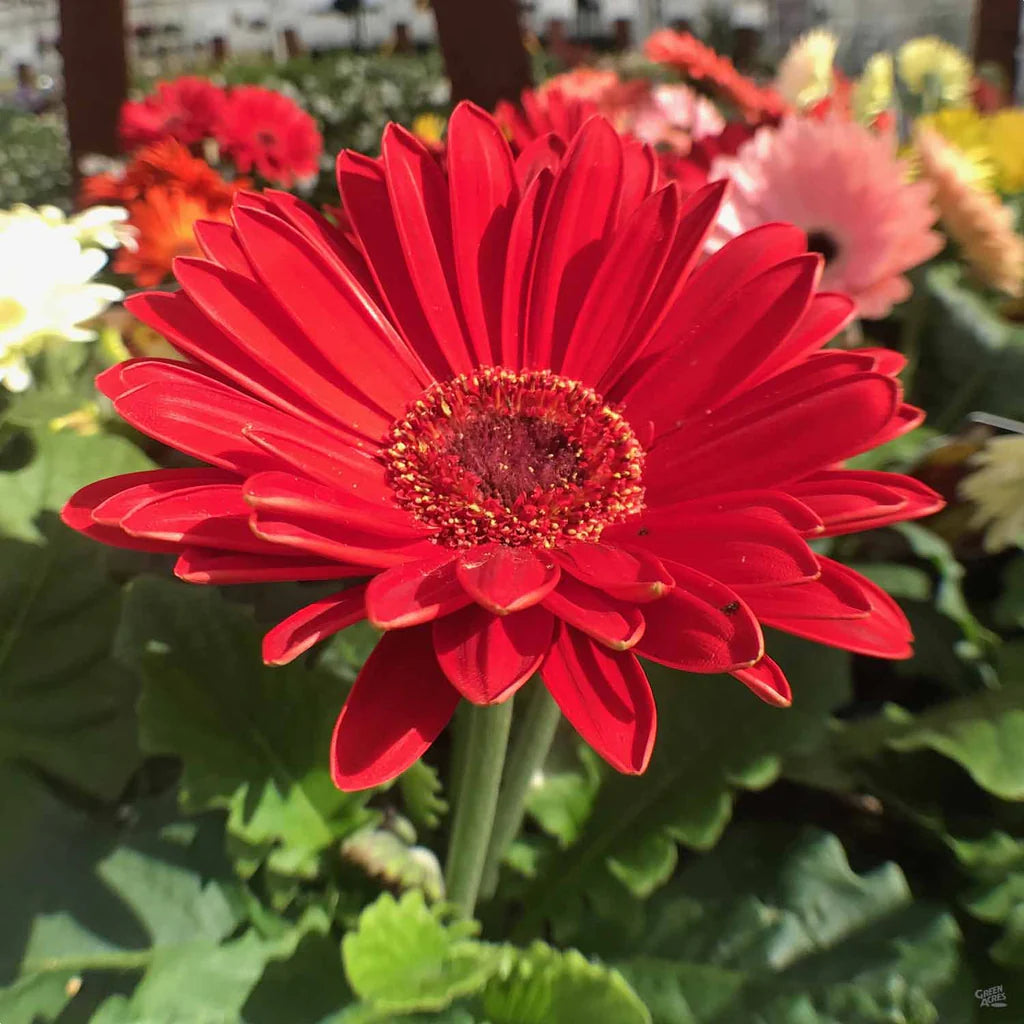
{"type": "Point", "coordinates": [487, 730]}
{"type": "Point", "coordinates": [529, 750]}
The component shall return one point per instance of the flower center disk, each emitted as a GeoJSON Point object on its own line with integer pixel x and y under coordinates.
{"type": "Point", "coordinates": [524, 459]}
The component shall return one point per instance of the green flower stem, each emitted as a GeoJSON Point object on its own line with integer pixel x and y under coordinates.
{"type": "Point", "coordinates": [487, 730]}
{"type": "Point", "coordinates": [534, 736]}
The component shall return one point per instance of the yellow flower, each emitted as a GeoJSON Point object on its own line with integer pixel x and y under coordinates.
{"type": "Point", "coordinates": [933, 69]}
{"type": "Point", "coordinates": [976, 220]}
{"type": "Point", "coordinates": [968, 130]}
{"type": "Point", "coordinates": [997, 489]}
{"type": "Point", "coordinates": [1006, 148]}
{"type": "Point", "coordinates": [429, 128]}
{"type": "Point", "coordinates": [805, 74]}
{"type": "Point", "coordinates": [873, 92]}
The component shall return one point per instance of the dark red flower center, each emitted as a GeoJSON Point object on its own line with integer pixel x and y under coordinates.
{"type": "Point", "coordinates": [525, 458]}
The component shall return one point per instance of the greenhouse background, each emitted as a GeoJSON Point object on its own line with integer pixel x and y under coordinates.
{"type": "Point", "coordinates": [511, 512]}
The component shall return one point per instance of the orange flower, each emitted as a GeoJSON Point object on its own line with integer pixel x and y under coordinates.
{"type": "Point", "coordinates": [165, 219]}
{"type": "Point", "coordinates": [976, 220]}
{"type": "Point", "coordinates": [168, 164]}
{"type": "Point", "coordinates": [690, 56]}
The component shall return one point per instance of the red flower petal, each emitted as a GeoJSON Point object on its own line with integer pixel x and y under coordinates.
{"type": "Point", "coordinates": [343, 544]}
{"type": "Point", "coordinates": [218, 242]}
{"type": "Point", "coordinates": [177, 318]}
{"type": "Point", "coordinates": [204, 565]}
{"type": "Point", "coordinates": [325, 300]}
{"type": "Point", "coordinates": [309, 625]}
{"type": "Point", "coordinates": [543, 153]}
{"type": "Point", "coordinates": [731, 268]}
{"type": "Point", "coordinates": [78, 511]}
{"type": "Point", "coordinates": [606, 697]}
{"type": "Point", "coordinates": [701, 626]}
{"type": "Point", "coordinates": [484, 195]}
{"type": "Point", "coordinates": [884, 632]}
{"type": "Point", "coordinates": [506, 579]}
{"type": "Point", "coordinates": [827, 314]}
{"type": "Point", "coordinates": [345, 468]}
{"type": "Point", "coordinates": [399, 704]}
{"type": "Point", "coordinates": [423, 217]}
{"type": "Point", "coordinates": [214, 516]}
{"type": "Point", "coordinates": [849, 500]}
{"type": "Point", "coordinates": [732, 338]}
{"type": "Point", "coordinates": [488, 657]}
{"type": "Point", "coordinates": [740, 456]}
{"type": "Point", "coordinates": [639, 176]}
{"type": "Point", "coordinates": [836, 594]}
{"type": "Point", "coordinates": [578, 221]}
{"type": "Point", "coordinates": [244, 310]}
{"type": "Point", "coordinates": [615, 299]}
{"type": "Point", "coordinates": [415, 592]}
{"type": "Point", "coordinates": [616, 624]}
{"type": "Point", "coordinates": [522, 248]}
{"type": "Point", "coordinates": [775, 506]}
{"type": "Point", "coordinates": [696, 219]}
{"type": "Point", "coordinates": [364, 192]}
{"type": "Point", "coordinates": [627, 575]}
{"type": "Point", "coordinates": [285, 494]}
{"type": "Point", "coordinates": [768, 681]}
{"type": "Point", "coordinates": [732, 547]}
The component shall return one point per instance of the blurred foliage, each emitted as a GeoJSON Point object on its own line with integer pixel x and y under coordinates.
{"type": "Point", "coordinates": [34, 164]}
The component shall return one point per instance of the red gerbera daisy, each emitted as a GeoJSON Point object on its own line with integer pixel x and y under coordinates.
{"type": "Point", "coordinates": [691, 57]}
{"type": "Point", "coordinates": [186, 109]}
{"type": "Point", "coordinates": [265, 131]}
{"type": "Point", "coordinates": [515, 403]}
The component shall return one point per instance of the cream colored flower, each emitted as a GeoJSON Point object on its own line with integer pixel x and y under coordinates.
{"type": "Point", "coordinates": [46, 287]}
{"type": "Point", "coordinates": [873, 93]}
{"type": "Point", "coordinates": [997, 489]}
{"type": "Point", "coordinates": [805, 74]}
{"type": "Point", "coordinates": [976, 220]}
{"type": "Point", "coordinates": [935, 70]}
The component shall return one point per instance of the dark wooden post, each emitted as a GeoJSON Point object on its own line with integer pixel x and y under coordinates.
{"type": "Point", "coordinates": [95, 73]}
{"type": "Point", "coordinates": [482, 44]}
{"type": "Point", "coordinates": [622, 33]}
{"type": "Point", "coordinates": [996, 30]}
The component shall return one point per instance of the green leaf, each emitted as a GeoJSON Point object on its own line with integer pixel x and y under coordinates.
{"type": "Point", "coordinates": [996, 865]}
{"type": "Point", "coordinates": [65, 704]}
{"type": "Point", "coordinates": [254, 739]}
{"type": "Point", "coordinates": [422, 791]}
{"type": "Point", "coordinates": [714, 737]}
{"type": "Point", "coordinates": [404, 956]}
{"type": "Point", "coordinates": [62, 463]}
{"type": "Point", "coordinates": [84, 896]}
{"type": "Point", "coordinates": [561, 797]}
{"type": "Point", "coordinates": [972, 358]}
{"type": "Point", "coordinates": [802, 938]}
{"type": "Point", "coordinates": [541, 985]}
{"type": "Point", "coordinates": [982, 732]}
{"type": "Point", "coordinates": [647, 866]}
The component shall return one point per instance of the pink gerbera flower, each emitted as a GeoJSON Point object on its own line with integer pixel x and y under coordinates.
{"type": "Point", "coordinates": [515, 410]}
{"type": "Point", "coordinates": [263, 131]}
{"type": "Point", "coordinates": [843, 184]}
